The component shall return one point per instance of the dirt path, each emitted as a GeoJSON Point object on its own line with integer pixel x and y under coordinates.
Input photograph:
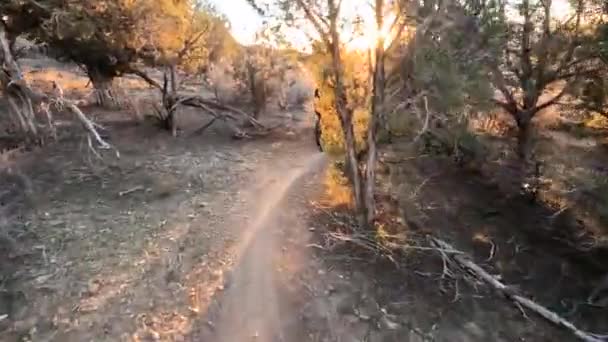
{"type": "Point", "coordinates": [252, 304]}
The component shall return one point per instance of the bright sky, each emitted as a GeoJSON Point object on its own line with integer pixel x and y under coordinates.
{"type": "Point", "coordinates": [246, 22]}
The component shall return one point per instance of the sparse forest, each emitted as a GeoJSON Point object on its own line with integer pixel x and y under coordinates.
{"type": "Point", "coordinates": [160, 179]}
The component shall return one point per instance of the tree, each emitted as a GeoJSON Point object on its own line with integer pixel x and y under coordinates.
{"type": "Point", "coordinates": [324, 17]}
{"type": "Point", "coordinates": [261, 69]}
{"type": "Point", "coordinates": [23, 100]}
{"type": "Point", "coordinates": [542, 59]}
{"type": "Point", "coordinates": [377, 113]}
{"type": "Point", "coordinates": [106, 38]}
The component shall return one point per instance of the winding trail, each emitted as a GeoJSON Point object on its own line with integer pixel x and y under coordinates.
{"type": "Point", "coordinates": [252, 305]}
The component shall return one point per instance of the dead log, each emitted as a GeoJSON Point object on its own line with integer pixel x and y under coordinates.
{"type": "Point", "coordinates": [509, 293]}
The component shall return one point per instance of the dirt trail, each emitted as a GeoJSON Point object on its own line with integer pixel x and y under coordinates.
{"type": "Point", "coordinates": [252, 303]}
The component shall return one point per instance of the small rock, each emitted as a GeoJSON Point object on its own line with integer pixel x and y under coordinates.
{"type": "Point", "coordinates": [321, 272]}
{"type": "Point", "coordinates": [55, 223]}
{"type": "Point", "coordinates": [94, 287]}
{"type": "Point", "coordinates": [368, 309]}
{"type": "Point", "coordinates": [388, 324]}
{"type": "Point", "coordinates": [43, 278]}
{"type": "Point", "coordinates": [211, 325]}
{"type": "Point", "coordinates": [330, 290]}
{"type": "Point", "coordinates": [474, 329]}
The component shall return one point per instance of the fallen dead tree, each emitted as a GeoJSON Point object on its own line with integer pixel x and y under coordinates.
{"type": "Point", "coordinates": [466, 264]}
{"type": "Point", "coordinates": [172, 100]}
{"type": "Point", "coordinates": [23, 101]}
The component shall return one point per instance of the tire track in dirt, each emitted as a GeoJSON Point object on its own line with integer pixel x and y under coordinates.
{"type": "Point", "coordinates": [252, 305]}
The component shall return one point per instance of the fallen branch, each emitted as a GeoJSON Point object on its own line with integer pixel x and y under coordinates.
{"type": "Point", "coordinates": [212, 107]}
{"type": "Point", "coordinates": [519, 300]}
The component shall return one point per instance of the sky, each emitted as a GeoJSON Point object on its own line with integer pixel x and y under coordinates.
{"type": "Point", "coordinates": [245, 21]}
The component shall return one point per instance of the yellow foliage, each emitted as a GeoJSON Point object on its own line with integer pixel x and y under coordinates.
{"type": "Point", "coordinates": [597, 121]}
{"type": "Point", "coordinates": [337, 190]}
{"type": "Point", "coordinates": [356, 84]}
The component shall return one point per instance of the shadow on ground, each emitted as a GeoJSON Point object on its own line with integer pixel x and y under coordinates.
{"type": "Point", "coordinates": [523, 242]}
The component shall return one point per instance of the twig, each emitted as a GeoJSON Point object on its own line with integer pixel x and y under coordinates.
{"type": "Point", "coordinates": [434, 249]}
{"type": "Point", "coordinates": [419, 187]}
{"type": "Point", "coordinates": [557, 213]}
{"type": "Point", "coordinates": [492, 251]}
{"type": "Point", "coordinates": [315, 245]}
{"type": "Point", "coordinates": [207, 125]}
{"type": "Point", "coordinates": [126, 192]}
{"type": "Point", "coordinates": [425, 127]}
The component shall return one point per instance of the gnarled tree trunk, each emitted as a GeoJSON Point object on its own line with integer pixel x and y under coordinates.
{"type": "Point", "coordinates": [22, 99]}
{"type": "Point", "coordinates": [524, 140]}
{"type": "Point", "coordinates": [103, 83]}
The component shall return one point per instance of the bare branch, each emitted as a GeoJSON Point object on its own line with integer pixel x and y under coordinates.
{"type": "Point", "coordinates": [143, 75]}
{"type": "Point", "coordinates": [500, 83]}
{"type": "Point", "coordinates": [553, 100]}
{"type": "Point", "coordinates": [314, 20]}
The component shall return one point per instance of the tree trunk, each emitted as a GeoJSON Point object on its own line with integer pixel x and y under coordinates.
{"type": "Point", "coordinates": [352, 164]}
{"type": "Point", "coordinates": [104, 88]}
{"type": "Point", "coordinates": [375, 117]}
{"type": "Point", "coordinates": [259, 96]}
{"type": "Point", "coordinates": [16, 91]}
{"type": "Point", "coordinates": [523, 141]}
{"type": "Point", "coordinates": [169, 99]}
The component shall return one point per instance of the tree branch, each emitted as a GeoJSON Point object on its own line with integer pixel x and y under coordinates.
{"type": "Point", "coordinates": [553, 101]}
{"type": "Point", "coordinates": [143, 75]}
{"type": "Point", "coordinates": [500, 83]}
{"type": "Point", "coordinates": [313, 18]}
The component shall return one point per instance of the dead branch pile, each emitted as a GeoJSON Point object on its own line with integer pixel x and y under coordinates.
{"type": "Point", "coordinates": [172, 100]}
{"type": "Point", "coordinates": [224, 113]}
